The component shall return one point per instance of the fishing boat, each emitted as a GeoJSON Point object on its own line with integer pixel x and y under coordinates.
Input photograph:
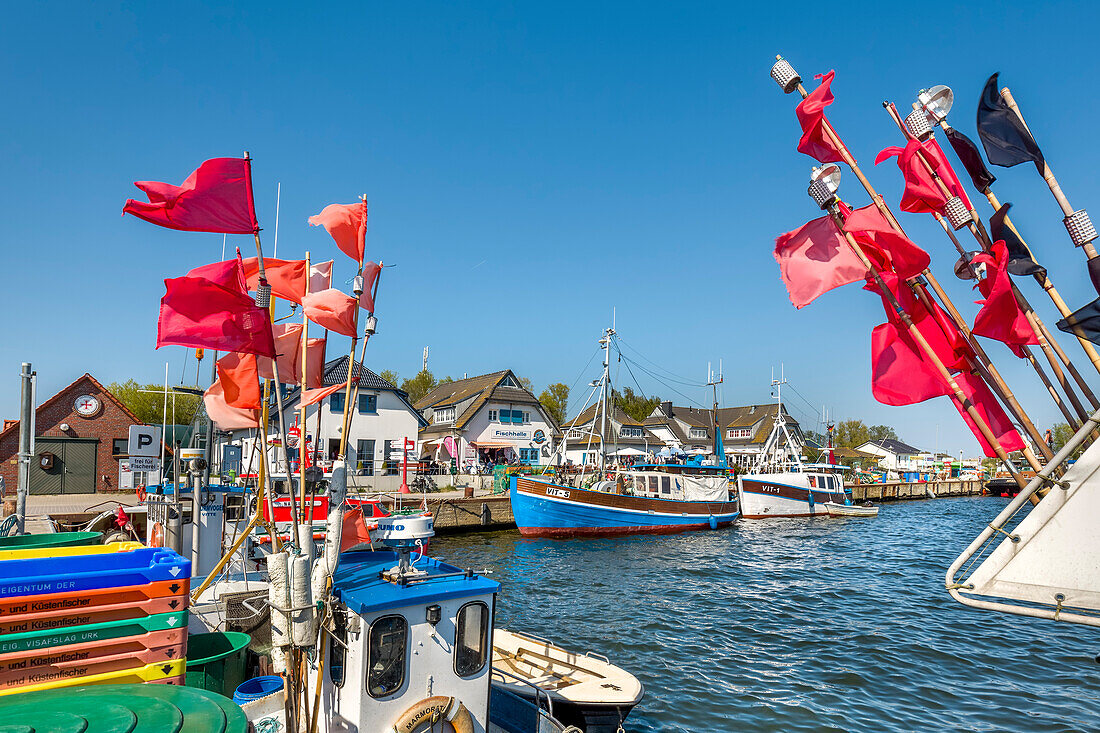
{"type": "Point", "coordinates": [584, 690]}
{"type": "Point", "coordinates": [604, 501]}
{"type": "Point", "coordinates": [780, 484]}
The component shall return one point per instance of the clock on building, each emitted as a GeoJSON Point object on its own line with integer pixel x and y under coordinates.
{"type": "Point", "coordinates": [86, 405]}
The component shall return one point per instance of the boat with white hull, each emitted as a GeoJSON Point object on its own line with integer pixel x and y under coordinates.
{"type": "Point", "coordinates": [806, 493]}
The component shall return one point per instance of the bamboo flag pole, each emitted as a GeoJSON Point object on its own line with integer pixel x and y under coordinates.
{"type": "Point", "coordinates": [1049, 347]}
{"type": "Point", "coordinates": [952, 311]}
{"type": "Point", "coordinates": [929, 352]}
{"type": "Point", "coordinates": [1048, 176]}
{"type": "Point", "coordinates": [306, 517]}
{"type": "Point", "coordinates": [357, 288]}
{"type": "Point", "coordinates": [368, 331]}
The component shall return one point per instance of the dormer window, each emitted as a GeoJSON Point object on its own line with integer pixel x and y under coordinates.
{"type": "Point", "coordinates": [739, 433]}
{"type": "Point", "coordinates": [444, 414]}
{"type": "Point", "coordinates": [492, 415]}
{"type": "Point", "coordinates": [698, 433]}
{"type": "Point", "coordinates": [627, 431]}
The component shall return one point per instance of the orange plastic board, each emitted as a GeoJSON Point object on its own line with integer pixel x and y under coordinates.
{"type": "Point", "coordinates": [82, 600]}
{"type": "Point", "coordinates": [170, 643]}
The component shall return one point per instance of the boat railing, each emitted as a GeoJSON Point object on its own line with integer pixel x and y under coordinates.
{"type": "Point", "coordinates": [597, 655]}
{"type": "Point", "coordinates": [540, 694]}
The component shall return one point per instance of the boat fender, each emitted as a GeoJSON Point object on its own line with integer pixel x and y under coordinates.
{"type": "Point", "coordinates": [713, 521]}
{"type": "Point", "coordinates": [140, 494]}
{"type": "Point", "coordinates": [156, 536]}
{"type": "Point", "coordinates": [431, 710]}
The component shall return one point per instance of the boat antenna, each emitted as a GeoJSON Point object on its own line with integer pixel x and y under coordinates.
{"type": "Point", "coordinates": [713, 382]}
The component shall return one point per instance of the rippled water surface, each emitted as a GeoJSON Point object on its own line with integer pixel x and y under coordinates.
{"type": "Point", "coordinates": [798, 625]}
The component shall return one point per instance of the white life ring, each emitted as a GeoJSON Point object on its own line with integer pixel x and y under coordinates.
{"type": "Point", "coordinates": [432, 710]}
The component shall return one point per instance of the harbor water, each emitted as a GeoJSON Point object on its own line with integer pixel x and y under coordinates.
{"type": "Point", "coordinates": [798, 625]}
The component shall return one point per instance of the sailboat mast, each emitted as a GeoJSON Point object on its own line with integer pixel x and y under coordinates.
{"type": "Point", "coordinates": [604, 396]}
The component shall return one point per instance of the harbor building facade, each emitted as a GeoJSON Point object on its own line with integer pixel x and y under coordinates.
{"type": "Point", "coordinates": [894, 456]}
{"type": "Point", "coordinates": [745, 429]}
{"type": "Point", "coordinates": [80, 443]}
{"type": "Point", "coordinates": [380, 421]}
{"type": "Point", "coordinates": [627, 438]}
{"type": "Point", "coordinates": [485, 420]}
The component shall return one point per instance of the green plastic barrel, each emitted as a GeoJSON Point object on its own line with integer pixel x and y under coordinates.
{"type": "Point", "coordinates": [216, 661]}
{"type": "Point", "coordinates": [50, 539]}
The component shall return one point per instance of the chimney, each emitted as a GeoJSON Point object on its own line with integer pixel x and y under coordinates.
{"type": "Point", "coordinates": [666, 408]}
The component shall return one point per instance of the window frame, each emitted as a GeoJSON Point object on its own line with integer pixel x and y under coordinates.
{"type": "Point", "coordinates": [404, 657]}
{"type": "Point", "coordinates": [340, 634]}
{"type": "Point", "coordinates": [368, 398]}
{"type": "Point", "coordinates": [493, 414]}
{"type": "Point", "coordinates": [125, 447]}
{"type": "Point", "coordinates": [333, 399]}
{"type": "Point", "coordinates": [698, 433]}
{"type": "Point", "coordinates": [486, 653]}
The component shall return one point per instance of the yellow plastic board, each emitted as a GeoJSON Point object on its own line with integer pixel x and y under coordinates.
{"type": "Point", "coordinates": [148, 673]}
{"type": "Point", "coordinates": [69, 551]}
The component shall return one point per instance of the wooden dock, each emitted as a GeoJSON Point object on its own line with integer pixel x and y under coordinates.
{"type": "Point", "coordinates": [901, 491]}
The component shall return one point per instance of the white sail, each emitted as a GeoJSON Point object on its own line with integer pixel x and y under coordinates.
{"type": "Point", "coordinates": [1051, 560]}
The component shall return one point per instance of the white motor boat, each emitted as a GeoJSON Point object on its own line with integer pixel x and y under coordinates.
{"type": "Point", "coordinates": [584, 690]}
{"type": "Point", "coordinates": [851, 510]}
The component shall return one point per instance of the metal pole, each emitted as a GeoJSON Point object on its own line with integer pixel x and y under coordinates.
{"type": "Point", "coordinates": [26, 431]}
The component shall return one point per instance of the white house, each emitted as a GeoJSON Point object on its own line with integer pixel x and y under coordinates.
{"type": "Point", "coordinates": [626, 437]}
{"type": "Point", "coordinates": [382, 418]}
{"type": "Point", "coordinates": [490, 419]}
{"type": "Point", "coordinates": [894, 455]}
{"type": "Point", "coordinates": [745, 429]}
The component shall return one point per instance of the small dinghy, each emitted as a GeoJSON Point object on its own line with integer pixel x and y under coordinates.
{"type": "Point", "coordinates": [584, 690]}
{"type": "Point", "coordinates": [851, 510]}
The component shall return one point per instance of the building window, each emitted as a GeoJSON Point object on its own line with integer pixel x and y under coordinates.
{"type": "Point", "coordinates": [630, 432]}
{"type": "Point", "coordinates": [492, 415]}
{"type": "Point", "coordinates": [471, 639]}
{"type": "Point", "coordinates": [338, 651]}
{"type": "Point", "coordinates": [698, 433]}
{"type": "Point", "coordinates": [576, 433]}
{"type": "Point", "coordinates": [739, 433]}
{"type": "Point", "coordinates": [526, 417]}
{"type": "Point", "coordinates": [336, 402]}
{"type": "Point", "coordinates": [368, 404]}
{"type": "Point", "coordinates": [120, 447]}
{"type": "Point", "coordinates": [386, 655]}
{"type": "Point", "coordinates": [444, 414]}
{"type": "Point", "coordinates": [364, 457]}
{"type": "Point", "coordinates": [529, 455]}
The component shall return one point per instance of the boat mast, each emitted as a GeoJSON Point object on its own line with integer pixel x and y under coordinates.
{"type": "Point", "coordinates": [606, 379]}
{"type": "Point", "coordinates": [719, 449]}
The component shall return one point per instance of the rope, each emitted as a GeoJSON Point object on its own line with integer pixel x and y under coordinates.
{"type": "Point", "coordinates": [1013, 537]}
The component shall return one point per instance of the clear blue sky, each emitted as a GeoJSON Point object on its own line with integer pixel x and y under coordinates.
{"type": "Point", "coordinates": [529, 167]}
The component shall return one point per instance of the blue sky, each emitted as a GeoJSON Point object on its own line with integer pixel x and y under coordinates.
{"type": "Point", "coordinates": [529, 167]}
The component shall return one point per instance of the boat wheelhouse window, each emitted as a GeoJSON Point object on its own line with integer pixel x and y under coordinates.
{"type": "Point", "coordinates": [653, 484]}
{"type": "Point", "coordinates": [338, 651]}
{"type": "Point", "coordinates": [813, 481]}
{"type": "Point", "coordinates": [386, 655]}
{"type": "Point", "coordinates": [666, 485]}
{"type": "Point", "coordinates": [471, 639]}
{"type": "Point", "coordinates": [639, 482]}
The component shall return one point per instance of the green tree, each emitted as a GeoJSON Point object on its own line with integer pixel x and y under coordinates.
{"type": "Point", "coordinates": [1060, 435]}
{"type": "Point", "coordinates": [555, 398]}
{"type": "Point", "coordinates": [527, 384]}
{"type": "Point", "coordinates": [419, 386]}
{"type": "Point", "coordinates": [851, 433]}
{"type": "Point", "coordinates": [881, 432]}
{"type": "Point", "coordinates": [146, 401]}
{"type": "Point", "coordinates": [391, 376]}
{"type": "Point", "coordinates": [638, 406]}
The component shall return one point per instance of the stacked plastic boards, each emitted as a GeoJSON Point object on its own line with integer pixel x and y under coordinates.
{"type": "Point", "coordinates": [92, 615]}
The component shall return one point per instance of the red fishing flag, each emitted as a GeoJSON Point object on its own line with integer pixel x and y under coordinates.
{"type": "Point", "coordinates": [215, 312]}
{"type": "Point", "coordinates": [217, 197]}
{"type": "Point", "coordinates": [240, 381]}
{"type": "Point", "coordinates": [922, 194]}
{"type": "Point", "coordinates": [287, 278]}
{"type": "Point", "coordinates": [941, 333]}
{"type": "Point", "coordinates": [900, 371]}
{"type": "Point", "coordinates": [1000, 317]}
{"type": "Point", "coordinates": [332, 309]}
{"type": "Point", "coordinates": [883, 245]}
{"type": "Point", "coordinates": [224, 415]}
{"type": "Point", "coordinates": [811, 116]}
{"type": "Point", "coordinates": [370, 275]}
{"type": "Point", "coordinates": [347, 223]}
{"type": "Point", "coordinates": [990, 410]}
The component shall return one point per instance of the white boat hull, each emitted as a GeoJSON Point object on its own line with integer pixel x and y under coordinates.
{"type": "Point", "coordinates": [764, 496]}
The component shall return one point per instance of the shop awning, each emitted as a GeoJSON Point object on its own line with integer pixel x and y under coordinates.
{"type": "Point", "coordinates": [492, 444]}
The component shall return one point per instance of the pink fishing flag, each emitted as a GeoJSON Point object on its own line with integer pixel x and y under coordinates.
{"type": "Point", "coordinates": [225, 416]}
{"type": "Point", "coordinates": [214, 312]}
{"type": "Point", "coordinates": [240, 380]}
{"type": "Point", "coordinates": [332, 309]}
{"type": "Point", "coordinates": [990, 410]}
{"type": "Point", "coordinates": [814, 259]}
{"type": "Point", "coordinates": [1001, 317]}
{"type": "Point", "coordinates": [217, 197]}
{"type": "Point", "coordinates": [311, 396]}
{"type": "Point", "coordinates": [810, 111]}
{"type": "Point", "coordinates": [288, 344]}
{"type": "Point", "coordinates": [370, 276]}
{"type": "Point", "coordinates": [347, 223]}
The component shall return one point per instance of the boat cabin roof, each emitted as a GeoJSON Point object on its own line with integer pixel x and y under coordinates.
{"type": "Point", "coordinates": [359, 585]}
{"type": "Point", "coordinates": [826, 467]}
